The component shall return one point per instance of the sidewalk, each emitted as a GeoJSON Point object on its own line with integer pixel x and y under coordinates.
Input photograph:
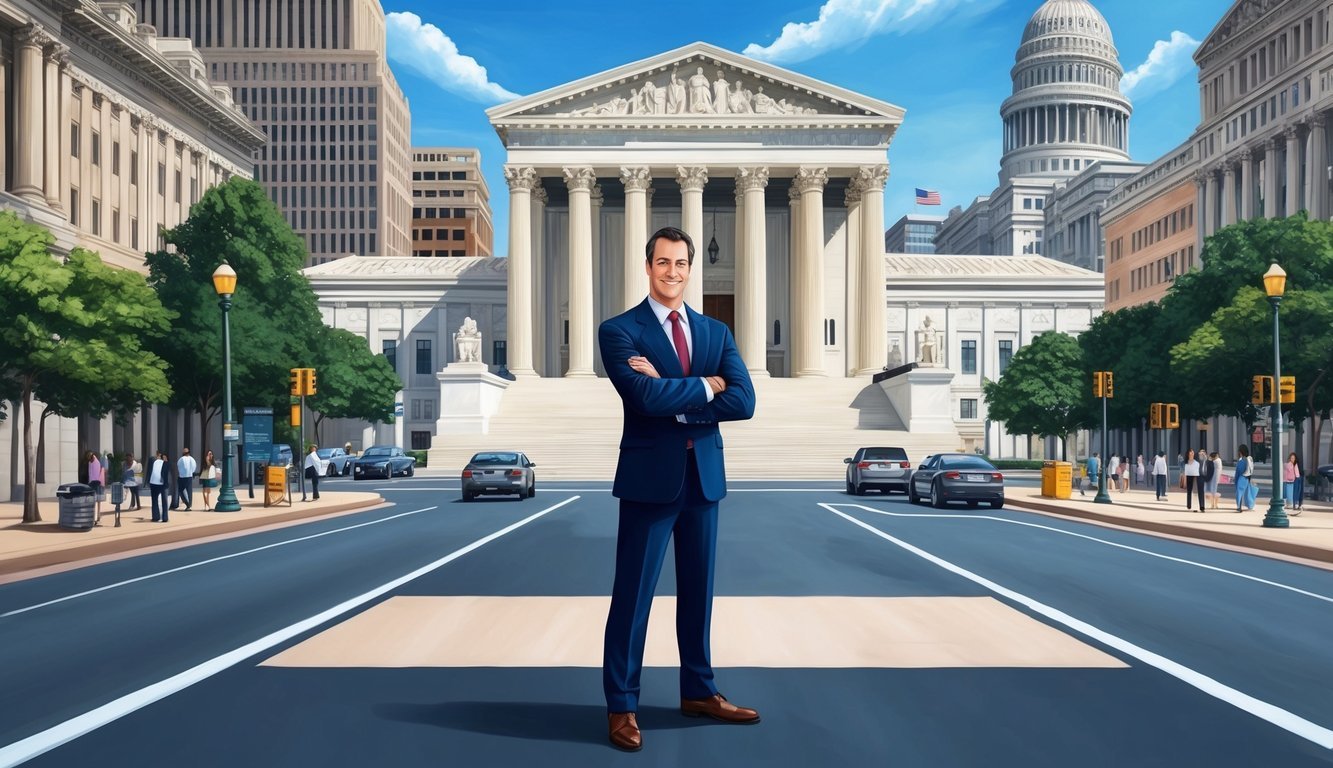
{"type": "Point", "coordinates": [28, 550]}
{"type": "Point", "coordinates": [1310, 535]}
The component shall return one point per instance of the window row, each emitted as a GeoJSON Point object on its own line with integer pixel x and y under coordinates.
{"type": "Point", "coordinates": [359, 172]}
{"type": "Point", "coordinates": [438, 234]}
{"type": "Point", "coordinates": [439, 175]}
{"type": "Point", "coordinates": [1179, 220]}
{"type": "Point", "coordinates": [441, 213]}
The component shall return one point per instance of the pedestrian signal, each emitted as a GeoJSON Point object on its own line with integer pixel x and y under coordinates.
{"type": "Point", "coordinates": [1155, 415]}
{"type": "Point", "coordinates": [1172, 415]}
{"type": "Point", "coordinates": [1261, 392]}
{"type": "Point", "coordinates": [1287, 389]}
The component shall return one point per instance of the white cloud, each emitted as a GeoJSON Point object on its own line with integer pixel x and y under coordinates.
{"type": "Point", "coordinates": [1166, 63]}
{"type": "Point", "coordinates": [430, 52]}
{"type": "Point", "coordinates": [846, 22]}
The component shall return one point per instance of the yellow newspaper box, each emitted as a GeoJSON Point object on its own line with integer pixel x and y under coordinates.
{"type": "Point", "coordinates": [275, 486]}
{"type": "Point", "coordinates": [1057, 478]}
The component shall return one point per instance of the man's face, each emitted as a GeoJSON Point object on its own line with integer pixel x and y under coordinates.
{"type": "Point", "coordinates": [668, 272]}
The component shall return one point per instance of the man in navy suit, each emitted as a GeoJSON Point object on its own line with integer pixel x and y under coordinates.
{"type": "Point", "coordinates": [678, 374]}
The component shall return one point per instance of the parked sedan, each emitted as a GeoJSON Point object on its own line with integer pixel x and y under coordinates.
{"type": "Point", "coordinates": [336, 461]}
{"type": "Point", "coordinates": [949, 477]}
{"type": "Point", "coordinates": [884, 469]}
{"type": "Point", "coordinates": [383, 461]}
{"type": "Point", "coordinates": [499, 472]}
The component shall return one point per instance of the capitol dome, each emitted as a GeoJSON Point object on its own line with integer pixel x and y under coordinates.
{"type": "Point", "coordinates": [1066, 111]}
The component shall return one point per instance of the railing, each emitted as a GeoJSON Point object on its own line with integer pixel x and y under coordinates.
{"type": "Point", "coordinates": [889, 373]}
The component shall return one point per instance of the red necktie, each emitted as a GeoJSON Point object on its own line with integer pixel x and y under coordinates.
{"type": "Point", "coordinates": [678, 338]}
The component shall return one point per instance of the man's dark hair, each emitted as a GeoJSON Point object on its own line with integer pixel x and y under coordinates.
{"type": "Point", "coordinates": [672, 234]}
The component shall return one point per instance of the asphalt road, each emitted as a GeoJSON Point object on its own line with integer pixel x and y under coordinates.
{"type": "Point", "coordinates": [154, 660]}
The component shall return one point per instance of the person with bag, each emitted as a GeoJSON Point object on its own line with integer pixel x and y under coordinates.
{"type": "Point", "coordinates": [208, 478]}
{"type": "Point", "coordinates": [130, 480]}
{"type": "Point", "coordinates": [314, 468]}
{"type": "Point", "coordinates": [1291, 474]}
{"type": "Point", "coordinates": [1246, 490]}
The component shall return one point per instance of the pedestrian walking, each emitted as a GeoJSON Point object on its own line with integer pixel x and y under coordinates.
{"type": "Point", "coordinates": [1140, 472]}
{"type": "Point", "coordinates": [1191, 475]}
{"type": "Point", "coordinates": [159, 479]}
{"type": "Point", "coordinates": [1300, 487]}
{"type": "Point", "coordinates": [1159, 474]}
{"type": "Point", "coordinates": [1124, 473]}
{"type": "Point", "coordinates": [1092, 466]}
{"type": "Point", "coordinates": [96, 473]}
{"type": "Point", "coordinates": [130, 481]}
{"type": "Point", "coordinates": [208, 478]}
{"type": "Point", "coordinates": [186, 466]}
{"type": "Point", "coordinates": [1113, 472]}
{"type": "Point", "coordinates": [1246, 491]}
{"type": "Point", "coordinates": [1291, 472]}
{"type": "Point", "coordinates": [1215, 461]}
{"type": "Point", "coordinates": [314, 468]}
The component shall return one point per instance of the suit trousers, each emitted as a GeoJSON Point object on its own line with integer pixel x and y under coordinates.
{"type": "Point", "coordinates": [158, 494]}
{"type": "Point", "coordinates": [645, 530]}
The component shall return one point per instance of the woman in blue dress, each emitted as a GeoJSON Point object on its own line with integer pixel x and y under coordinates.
{"type": "Point", "coordinates": [1246, 491]}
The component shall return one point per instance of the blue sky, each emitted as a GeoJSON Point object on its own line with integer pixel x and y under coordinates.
{"type": "Point", "coordinates": [945, 61]}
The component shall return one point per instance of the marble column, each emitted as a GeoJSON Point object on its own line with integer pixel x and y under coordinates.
{"type": "Point", "coordinates": [1228, 194]}
{"type": "Point", "coordinates": [692, 181]}
{"type": "Point", "coordinates": [794, 238]}
{"type": "Point", "coordinates": [1200, 208]}
{"type": "Point", "coordinates": [1245, 182]}
{"type": "Point", "coordinates": [739, 230]}
{"type": "Point", "coordinates": [579, 181]}
{"type": "Point", "coordinates": [648, 210]}
{"type": "Point", "coordinates": [1215, 194]}
{"type": "Point", "coordinates": [596, 198]}
{"type": "Point", "coordinates": [521, 181]}
{"type": "Point", "coordinates": [30, 153]}
{"type": "Point", "coordinates": [541, 317]}
{"type": "Point", "coordinates": [1271, 207]}
{"type": "Point", "coordinates": [852, 294]}
{"type": "Point", "coordinates": [1293, 170]}
{"type": "Point", "coordinates": [752, 274]}
{"type": "Point", "coordinates": [808, 277]}
{"type": "Point", "coordinates": [1318, 167]}
{"type": "Point", "coordinates": [53, 182]}
{"type": "Point", "coordinates": [6, 137]}
{"type": "Point", "coordinates": [634, 287]}
{"type": "Point", "coordinates": [871, 319]}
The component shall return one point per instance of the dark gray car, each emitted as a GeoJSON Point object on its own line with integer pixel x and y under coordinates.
{"type": "Point", "coordinates": [884, 469]}
{"type": "Point", "coordinates": [336, 461]}
{"type": "Point", "coordinates": [947, 477]}
{"type": "Point", "coordinates": [499, 472]}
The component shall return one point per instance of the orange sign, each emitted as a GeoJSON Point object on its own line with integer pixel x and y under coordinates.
{"type": "Point", "coordinates": [275, 486]}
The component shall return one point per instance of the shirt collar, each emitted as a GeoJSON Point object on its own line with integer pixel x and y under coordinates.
{"type": "Point", "coordinates": [661, 311]}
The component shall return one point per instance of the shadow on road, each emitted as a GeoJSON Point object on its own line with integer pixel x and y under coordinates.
{"type": "Point", "coordinates": [577, 723]}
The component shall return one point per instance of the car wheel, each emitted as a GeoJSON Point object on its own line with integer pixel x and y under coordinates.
{"type": "Point", "coordinates": [532, 489]}
{"type": "Point", "coordinates": [330, 472]}
{"type": "Point", "coordinates": [997, 504]}
{"type": "Point", "coordinates": [973, 504]}
{"type": "Point", "coordinates": [912, 498]}
{"type": "Point", "coordinates": [412, 470]}
{"type": "Point", "coordinates": [468, 496]}
{"type": "Point", "coordinates": [850, 492]}
{"type": "Point", "coordinates": [347, 469]}
{"type": "Point", "coordinates": [936, 500]}
{"type": "Point", "coordinates": [858, 490]}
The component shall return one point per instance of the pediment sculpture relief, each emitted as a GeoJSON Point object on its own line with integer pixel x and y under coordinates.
{"type": "Point", "coordinates": [694, 94]}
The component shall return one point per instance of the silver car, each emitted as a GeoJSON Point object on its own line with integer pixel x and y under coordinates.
{"type": "Point", "coordinates": [884, 469]}
{"type": "Point", "coordinates": [949, 477]}
{"type": "Point", "coordinates": [336, 461]}
{"type": "Point", "coordinates": [499, 472]}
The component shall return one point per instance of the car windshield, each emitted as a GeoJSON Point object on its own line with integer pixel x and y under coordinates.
{"type": "Point", "coordinates": [495, 459]}
{"type": "Point", "coordinates": [385, 452]}
{"type": "Point", "coordinates": [324, 453]}
{"type": "Point", "coordinates": [885, 454]}
{"type": "Point", "coordinates": [967, 462]}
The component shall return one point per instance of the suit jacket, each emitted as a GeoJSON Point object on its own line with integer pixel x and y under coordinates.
{"type": "Point", "coordinates": [652, 446]}
{"type": "Point", "coordinates": [167, 472]}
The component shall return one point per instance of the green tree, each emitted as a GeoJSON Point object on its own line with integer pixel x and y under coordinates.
{"type": "Point", "coordinates": [274, 315]}
{"type": "Point", "coordinates": [1120, 342]}
{"type": "Point", "coordinates": [73, 334]}
{"type": "Point", "coordinates": [353, 383]}
{"type": "Point", "coordinates": [1044, 391]}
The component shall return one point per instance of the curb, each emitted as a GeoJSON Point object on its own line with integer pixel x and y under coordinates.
{"type": "Point", "coordinates": [1291, 549]}
{"type": "Point", "coordinates": [75, 554]}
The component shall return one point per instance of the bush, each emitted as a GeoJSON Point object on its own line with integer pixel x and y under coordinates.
{"type": "Point", "coordinates": [420, 457]}
{"type": "Point", "coordinates": [1016, 463]}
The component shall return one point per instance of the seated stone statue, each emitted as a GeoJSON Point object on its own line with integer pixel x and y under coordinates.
{"type": "Point", "coordinates": [468, 341]}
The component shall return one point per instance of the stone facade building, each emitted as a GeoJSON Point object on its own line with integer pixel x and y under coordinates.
{"type": "Point", "coordinates": [451, 203]}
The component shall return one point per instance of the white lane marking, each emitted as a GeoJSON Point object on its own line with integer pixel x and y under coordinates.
{"type": "Point", "coordinates": [1283, 719]}
{"type": "Point", "coordinates": [1117, 545]}
{"type": "Point", "coordinates": [210, 561]}
{"type": "Point", "coordinates": [44, 741]}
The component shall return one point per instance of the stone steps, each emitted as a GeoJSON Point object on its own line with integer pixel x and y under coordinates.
{"type": "Point", "coordinates": [802, 429]}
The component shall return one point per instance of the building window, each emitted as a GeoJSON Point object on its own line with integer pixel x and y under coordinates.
{"type": "Point", "coordinates": [97, 216]}
{"type": "Point", "coordinates": [428, 409]}
{"type": "Point", "coordinates": [178, 186]}
{"type": "Point", "coordinates": [416, 409]}
{"type": "Point", "coordinates": [420, 440]}
{"type": "Point", "coordinates": [391, 353]}
{"type": "Point", "coordinates": [74, 206]}
{"type": "Point", "coordinates": [115, 158]}
{"type": "Point", "coordinates": [830, 332]}
{"type": "Point", "coordinates": [97, 148]}
{"type": "Point", "coordinates": [423, 357]}
{"type": "Point", "coordinates": [134, 168]}
{"type": "Point", "coordinates": [73, 139]}
{"type": "Point", "coordinates": [162, 179]}
{"type": "Point", "coordinates": [115, 224]}
{"type": "Point", "coordinates": [134, 233]}
{"type": "Point", "coordinates": [967, 408]}
{"type": "Point", "coordinates": [1006, 354]}
{"type": "Point", "coordinates": [969, 361]}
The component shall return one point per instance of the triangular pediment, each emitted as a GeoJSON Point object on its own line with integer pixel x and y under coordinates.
{"type": "Point", "coordinates": [697, 82]}
{"type": "Point", "coordinates": [1244, 16]}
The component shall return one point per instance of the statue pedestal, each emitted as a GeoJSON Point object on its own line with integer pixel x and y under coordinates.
{"type": "Point", "coordinates": [923, 399]}
{"type": "Point", "coordinates": [469, 396]}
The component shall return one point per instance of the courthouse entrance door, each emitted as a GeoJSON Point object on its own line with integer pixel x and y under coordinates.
{"type": "Point", "coordinates": [721, 306]}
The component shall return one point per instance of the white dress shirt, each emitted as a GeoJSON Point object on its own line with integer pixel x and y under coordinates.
{"type": "Point", "coordinates": [186, 466]}
{"type": "Point", "coordinates": [663, 319]}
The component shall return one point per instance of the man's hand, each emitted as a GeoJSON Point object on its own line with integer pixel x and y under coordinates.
{"type": "Point", "coordinates": [717, 384]}
{"type": "Point", "coordinates": [641, 364]}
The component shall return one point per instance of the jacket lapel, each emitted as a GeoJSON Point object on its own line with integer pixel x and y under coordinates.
{"type": "Point", "coordinates": [653, 341]}
{"type": "Point", "coordinates": [701, 357]}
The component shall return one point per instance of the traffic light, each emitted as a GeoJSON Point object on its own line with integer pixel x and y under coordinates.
{"type": "Point", "coordinates": [1287, 389]}
{"type": "Point", "coordinates": [296, 415]}
{"type": "Point", "coordinates": [1108, 383]}
{"type": "Point", "coordinates": [310, 381]}
{"type": "Point", "coordinates": [1261, 392]}
{"type": "Point", "coordinates": [1155, 415]}
{"type": "Point", "coordinates": [297, 380]}
{"type": "Point", "coordinates": [1097, 384]}
{"type": "Point", "coordinates": [1172, 415]}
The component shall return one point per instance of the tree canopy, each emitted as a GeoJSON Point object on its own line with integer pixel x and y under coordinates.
{"type": "Point", "coordinates": [353, 383]}
{"type": "Point", "coordinates": [1044, 389]}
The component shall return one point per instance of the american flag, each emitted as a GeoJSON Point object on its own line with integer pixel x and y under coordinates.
{"type": "Point", "coordinates": [927, 197]}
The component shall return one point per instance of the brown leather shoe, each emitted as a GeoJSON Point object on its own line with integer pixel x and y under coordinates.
{"type": "Point", "coordinates": [718, 708]}
{"type": "Point", "coordinates": [625, 731]}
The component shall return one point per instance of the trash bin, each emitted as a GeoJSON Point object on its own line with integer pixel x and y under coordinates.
{"type": "Point", "coordinates": [1057, 479]}
{"type": "Point", "coordinates": [77, 506]}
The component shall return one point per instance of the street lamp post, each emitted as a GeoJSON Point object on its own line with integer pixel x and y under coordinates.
{"type": "Point", "coordinates": [1102, 496]}
{"type": "Point", "coordinates": [1275, 284]}
{"type": "Point", "coordinates": [224, 282]}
